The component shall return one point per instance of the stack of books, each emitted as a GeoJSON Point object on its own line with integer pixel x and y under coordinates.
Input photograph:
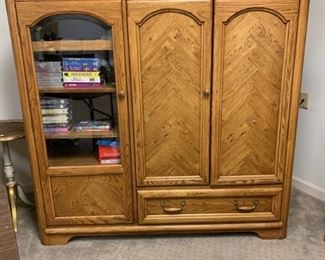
{"type": "Point", "coordinates": [81, 72]}
{"type": "Point", "coordinates": [109, 151]}
{"type": "Point", "coordinates": [49, 73]}
{"type": "Point", "coordinates": [93, 125]}
{"type": "Point", "coordinates": [57, 114]}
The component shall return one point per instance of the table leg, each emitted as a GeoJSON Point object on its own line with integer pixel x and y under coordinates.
{"type": "Point", "coordinates": [23, 197]}
{"type": "Point", "coordinates": [12, 200]}
{"type": "Point", "coordinates": [11, 184]}
{"type": "Point", "coordinates": [10, 175]}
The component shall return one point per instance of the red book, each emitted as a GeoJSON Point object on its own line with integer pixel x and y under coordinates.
{"type": "Point", "coordinates": [106, 153]}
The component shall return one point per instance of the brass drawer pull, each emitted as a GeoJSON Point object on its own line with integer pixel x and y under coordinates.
{"type": "Point", "coordinates": [172, 210]}
{"type": "Point", "coordinates": [246, 208]}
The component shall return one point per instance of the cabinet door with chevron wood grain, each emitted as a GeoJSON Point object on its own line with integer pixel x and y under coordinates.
{"type": "Point", "coordinates": [253, 69]}
{"type": "Point", "coordinates": [170, 47]}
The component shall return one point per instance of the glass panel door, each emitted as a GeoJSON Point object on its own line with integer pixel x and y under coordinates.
{"type": "Point", "coordinates": [74, 67]}
{"type": "Point", "coordinates": [75, 80]}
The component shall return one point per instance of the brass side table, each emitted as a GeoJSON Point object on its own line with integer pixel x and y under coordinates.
{"type": "Point", "coordinates": [11, 130]}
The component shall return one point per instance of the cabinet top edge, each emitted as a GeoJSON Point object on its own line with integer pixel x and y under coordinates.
{"type": "Point", "coordinates": [36, 1]}
{"type": "Point", "coordinates": [221, 1]}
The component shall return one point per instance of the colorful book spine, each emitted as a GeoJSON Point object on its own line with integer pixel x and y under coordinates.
{"type": "Point", "coordinates": [82, 85]}
{"type": "Point", "coordinates": [56, 129]}
{"type": "Point", "coordinates": [81, 74]}
{"type": "Point", "coordinates": [54, 121]}
{"type": "Point", "coordinates": [55, 101]}
{"type": "Point", "coordinates": [81, 79]}
{"type": "Point", "coordinates": [62, 125]}
{"type": "Point", "coordinates": [110, 161]}
{"type": "Point", "coordinates": [55, 111]}
{"type": "Point", "coordinates": [48, 66]}
{"type": "Point", "coordinates": [80, 64]}
{"type": "Point", "coordinates": [55, 117]}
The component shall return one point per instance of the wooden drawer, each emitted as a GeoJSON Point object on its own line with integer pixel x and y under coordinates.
{"type": "Point", "coordinates": [209, 205]}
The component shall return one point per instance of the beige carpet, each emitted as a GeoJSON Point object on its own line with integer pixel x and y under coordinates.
{"type": "Point", "coordinates": [304, 241]}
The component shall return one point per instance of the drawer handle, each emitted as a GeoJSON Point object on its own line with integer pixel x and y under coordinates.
{"type": "Point", "coordinates": [246, 208]}
{"type": "Point", "coordinates": [172, 210]}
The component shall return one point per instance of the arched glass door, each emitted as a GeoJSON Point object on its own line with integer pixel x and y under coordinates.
{"type": "Point", "coordinates": [74, 65]}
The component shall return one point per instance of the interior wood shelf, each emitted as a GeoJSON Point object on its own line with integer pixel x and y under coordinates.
{"type": "Point", "coordinates": [72, 45]}
{"type": "Point", "coordinates": [83, 134]}
{"type": "Point", "coordinates": [79, 161]}
{"type": "Point", "coordinates": [62, 90]}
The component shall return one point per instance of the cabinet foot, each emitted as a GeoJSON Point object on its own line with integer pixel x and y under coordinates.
{"type": "Point", "coordinates": [56, 239]}
{"type": "Point", "coordinates": [271, 233]}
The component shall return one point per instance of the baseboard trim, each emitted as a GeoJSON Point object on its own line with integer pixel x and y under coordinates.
{"type": "Point", "coordinates": [309, 188]}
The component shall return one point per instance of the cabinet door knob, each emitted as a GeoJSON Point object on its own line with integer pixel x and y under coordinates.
{"type": "Point", "coordinates": [206, 92]}
{"type": "Point", "coordinates": [121, 94]}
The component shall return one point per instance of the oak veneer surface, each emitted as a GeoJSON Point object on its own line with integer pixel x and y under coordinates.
{"type": "Point", "coordinates": [170, 62]}
{"type": "Point", "coordinates": [206, 205]}
{"type": "Point", "coordinates": [254, 50]}
{"type": "Point", "coordinates": [171, 95]}
{"type": "Point", "coordinates": [96, 199]}
{"type": "Point", "coordinates": [255, 55]}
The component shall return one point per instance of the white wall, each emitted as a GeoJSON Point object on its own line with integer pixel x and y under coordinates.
{"type": "Point", "coordinates": [9, 99]}
{"type": "Point", "coordinates": [309, 166]}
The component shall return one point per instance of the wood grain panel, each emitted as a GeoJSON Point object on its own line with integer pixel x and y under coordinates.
{"type": "Point", "coordinates": [89, 200]}
{"type": "Point", "coordinates": [70, 45]}
{"type": "Point", "coordinates": [169, 54]}
{"type": "Point", "coordinates": [195, 206]}
{"type": "Point", "coordinates": [170, 62]}
{"type": "Point", "coordinates": [254, 50]}
{"type": "Point", "coordinates": [253, 79]}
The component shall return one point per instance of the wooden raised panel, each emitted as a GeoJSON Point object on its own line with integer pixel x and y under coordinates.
{"type": "Point", "coordinates": [170, 67]}
{"type": "Point", "coordinates": [197, 206]}
{"type": "Point", "coordinates": [253, 61]}
{"type": "Point", "coordinates": [89, 200]}
{"type": "Point", "coordinates": [254, 54]}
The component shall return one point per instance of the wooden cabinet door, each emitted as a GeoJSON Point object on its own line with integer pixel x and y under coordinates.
{"type": "Point", "coordinates": [170, 47]}
{"type": "Point", "coordinates": [253, 68]}
{"type": "Point", "coordinates": [77, 188]}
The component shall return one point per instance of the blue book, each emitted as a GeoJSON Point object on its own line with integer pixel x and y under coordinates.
{"type": "Point", "coordinates": [80, 64]}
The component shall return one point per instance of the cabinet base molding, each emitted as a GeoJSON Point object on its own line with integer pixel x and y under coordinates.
{"type": "Point", "coordinates": [62, 235]}
{"type": "Point", "coordinates": [277, 233]}
{"type": "Point", "coordinates": [56, 239]}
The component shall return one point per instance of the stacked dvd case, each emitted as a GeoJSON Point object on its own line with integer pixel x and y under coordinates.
{"type": "Point", "coordinates": [49, 73]}
{"type": "Point", "coordinates": [93, 125]}
{"type": "Point", "coordinates": [81, 73]}
{"type": "Point", "coordinates": [57, 114]}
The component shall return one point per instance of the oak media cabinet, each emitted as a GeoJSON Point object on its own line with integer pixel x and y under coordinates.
{"type": "Point", "coordinates": [202, 97]}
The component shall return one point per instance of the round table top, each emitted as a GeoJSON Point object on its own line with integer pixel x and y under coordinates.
{"type": "Point", "coordinates": [11, 130]}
